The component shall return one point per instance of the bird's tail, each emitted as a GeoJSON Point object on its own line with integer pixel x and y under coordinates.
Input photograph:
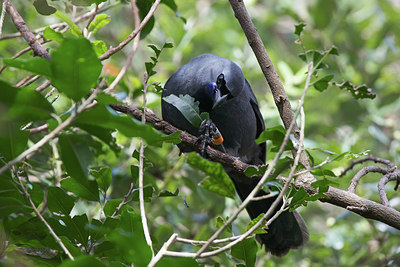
{"type": "Point", "coordinates": [286, 232]}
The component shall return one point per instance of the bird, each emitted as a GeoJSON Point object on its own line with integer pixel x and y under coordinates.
{"type": "Point", "coordinates": [219, 85]}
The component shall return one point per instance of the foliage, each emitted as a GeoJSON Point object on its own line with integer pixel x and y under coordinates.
{"type": "Point", "coordinates": [78, 179]}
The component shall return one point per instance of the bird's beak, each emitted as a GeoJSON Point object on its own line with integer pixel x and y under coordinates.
{"type": "Point", "coordinates": [218, 99]}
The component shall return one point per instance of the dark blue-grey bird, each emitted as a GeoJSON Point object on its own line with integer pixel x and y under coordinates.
{"type": "Point", "coordinates": [222, 90]}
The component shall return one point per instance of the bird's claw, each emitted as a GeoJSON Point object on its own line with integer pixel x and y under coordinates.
{"type": "Point", "coordinates": [209, 135]}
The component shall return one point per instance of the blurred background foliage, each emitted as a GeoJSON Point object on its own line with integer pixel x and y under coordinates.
{"type": "Point", "coordinates": [367, 35]}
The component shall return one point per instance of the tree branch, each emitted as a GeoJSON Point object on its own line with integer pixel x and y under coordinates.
{"type": "Point", "coordinates": [19, 23]}
{"type": "Point", "coordinates": [337, 197]}
{"type": "Point", "coordinates": [146, 19]}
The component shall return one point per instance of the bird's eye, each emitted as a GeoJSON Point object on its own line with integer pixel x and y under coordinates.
{"type": "Point", "coordinates": [211, 88]}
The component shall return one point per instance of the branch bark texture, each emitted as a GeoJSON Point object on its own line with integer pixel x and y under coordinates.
{"type": "Point", "coordinates": [366, 208]}
{"type": "Point", "coordinates": [30, 38]}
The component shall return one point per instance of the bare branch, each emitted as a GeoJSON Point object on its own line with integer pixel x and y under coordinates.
{"type": "Point", "coordinates": [361, 173]}
{"type": "Point", "coordinates": [337, 197]}
{"type": "Point", "coordinates": [141, 152]}
{"type": "Point", "coordinates": [26, 33]}
{"type": "Point", "coordinates": [114, 50]}
{"type": "Point", "coordinates": [392, 176]}
{"type": "Point", "coordinates": [162, 251]}
{"type": "Point", "coordinates": [131, 54]}
{"type": "Point", "coordinates": [369, 158]}
{"type": "Point", "coordinates": [3, 12]}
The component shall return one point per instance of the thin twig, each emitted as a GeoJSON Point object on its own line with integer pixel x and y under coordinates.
{"type": "Point", "coordinates": [141, 175]}
{"type": "Point", "coordinates": [43, 86]}
{"type": "Point", "coordinates": [38, 214]}
{"type": "Point", "coordinates": [326, 161]}
{"type": "Point", "coordinates": [121, 45]}
{"type": "Point", "coordinates": [124, 200]}
{"type": "Point", "coordinates": [63, 24]}
{"type": "Point", "coordinates": [135, 46]}
{"type": "Point", "coordinates": [20, 83]}
{"type": "Point", "coordinates": [2, 16]}
{"type": "Point", "coordinates": [356, 179]}
{"type": "Point", "coordinates": [162, 251]}
{"type": "Point", "coordinates": [369, 158]}
{"type": "Point", "coordinates": [200, 242]}
{"type": "Point", "coordinates": [91, 18]}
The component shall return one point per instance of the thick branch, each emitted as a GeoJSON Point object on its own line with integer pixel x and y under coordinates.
{"type": "Point", "coordinates": [364, 207]}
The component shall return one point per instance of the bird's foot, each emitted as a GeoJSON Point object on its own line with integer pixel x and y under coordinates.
{"type": "Point", "coordinates": [209, 135]}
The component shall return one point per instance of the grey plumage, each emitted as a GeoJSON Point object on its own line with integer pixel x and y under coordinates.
{"type": "Point", "coordinates": [239, 120]}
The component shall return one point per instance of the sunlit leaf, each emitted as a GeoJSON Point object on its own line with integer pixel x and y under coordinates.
{"type": "Point", "coordinates": [75, 67]}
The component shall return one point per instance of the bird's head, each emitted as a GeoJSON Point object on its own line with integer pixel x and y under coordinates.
{"type": "Point", "coordinates": [218, 92]}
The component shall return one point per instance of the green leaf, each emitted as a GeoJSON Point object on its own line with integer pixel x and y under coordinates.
{"type": "Point", "coordinates": [11, 199]}
{"type": "Point", "coordinates": [155, 49]}
{"type": "Point", "coordinates": [187, 106]}
{"type": "Point", "coordinates": [220, 221]}
{"type": "Point", "coordinates": [107, 99]}
{"type": "Point", "coordinates": [103, 134]}
{"type": "Point", "coordinates": [58, 201]}
{"type": "Point", "coordinates": [75, 155]}
{"type": "Point", "coordinates": [36, 193]}
{"type": "Point", "coordinates": [77, 228]}
{"type": "Point", "coordinates": [358, 92]}
{"type": "Point", "coordinates": [353, 156]}
{"type": "Point", "coordinates": [259, 170]}
{"type": "Point", "coordinates": [172, 138]}
{"type": "Point", "coordinates": [74, 28]}
{"type": "Point", "coordinates": [103, 177]}
{"type": "Point", "coordinates": [75, 68]}
{"type": "Point", "coordinates": [23, 104]}
{"type": "Point", "coordinates": [323, 172]}
{"type": "Point", "coordinates": [322, 83]}
{"type": "Point", "coordinates": [166, 193]}
{"type": "Point", "coordinates": [218, 181]}
{"type": "Point", "coordinates": [147, 193]}
{"type": "Point", "coordinates": [100, 116]}
{"type": "Point", "coordinates": [169, 261]}
{"type": "Point", "coordinates": [299, 28]}
{"type": "Point", "coordinates": [246, 250]}
{"type": "Point", "coordinates": [129, 239]}
{"type": "Point", "coordinates": [51, 34]}
{"type": "Point", "coordinates": [259, 230]}
{"type": "Point", "coordinates": [282, 165]}
{"type": "Point", "coordinates": [36, 65]}
{"type": "Point", "coordinates": [275, 135]}
{"type": "Point", "coordinates": [300, 197]}
{"type": "Point", "coordinates": [111, 206]}
{"type": "Point", "coordinates": [318, 57]}
{"type": "Point", "coordinates": [99, 22]}
{"type": "Point", "coordinates": [144, 8]}
{"type": "Point", "coordinates": [99, 47]}
{"type": "Point", "coordinates": [323, 185]}
{"type": "Point", "coordinates": [83, 188]}
{"type": "Point", "coordinates": [86, 260]}
{"type": "Point", "coordinates": [13, 141]}
{"type": "Point", "coordinates": [43, 8]}
{"type": "Point", "coordinates": [73, 249]}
